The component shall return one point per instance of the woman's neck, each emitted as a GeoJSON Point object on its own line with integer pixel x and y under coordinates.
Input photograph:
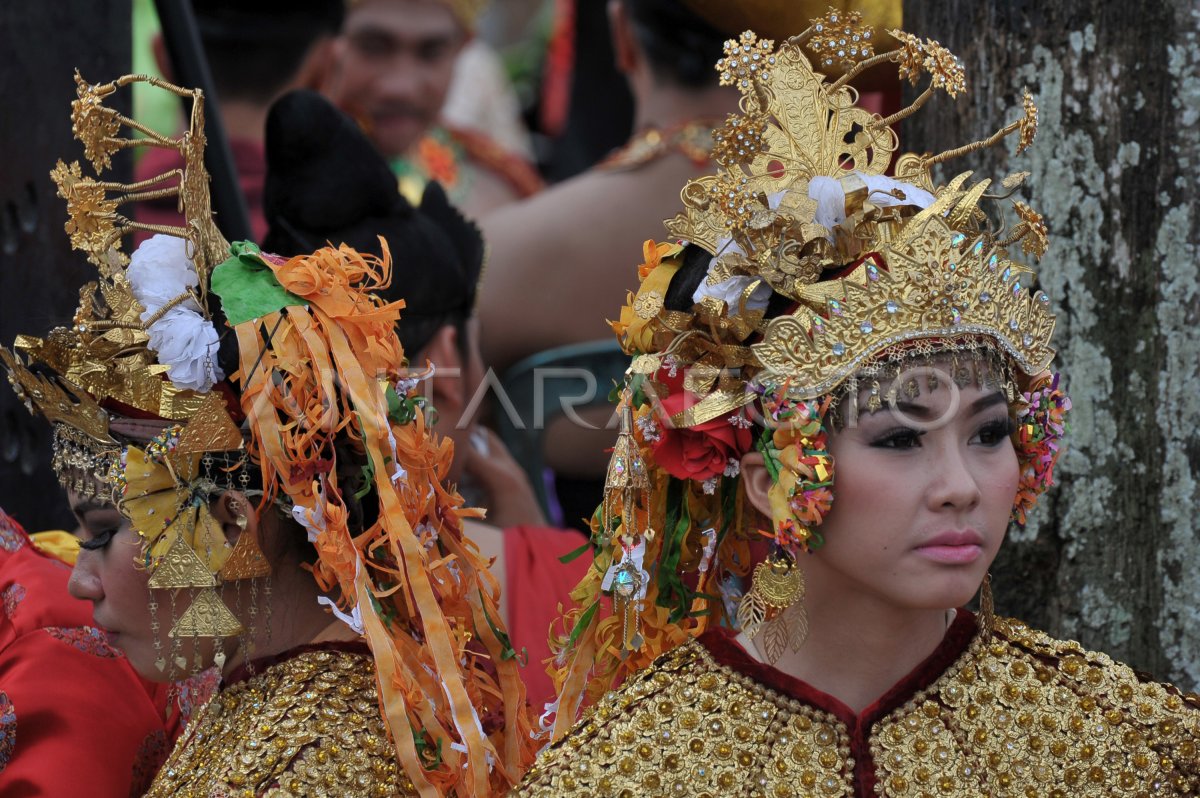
{"type": "Point", "coordinates": [287, 616]}
{"type": "Point", "coordinates": [858, 648]}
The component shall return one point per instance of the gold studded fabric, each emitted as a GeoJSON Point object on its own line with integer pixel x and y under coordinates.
{"type": "Point", "coordinates": [1016, 714]}
{"type": "Point", "coordinates": [1027, 715]}
{"type": "Point", "coordinates": [308, 726]}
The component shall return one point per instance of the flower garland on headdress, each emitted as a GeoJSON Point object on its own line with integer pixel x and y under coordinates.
{"type": "Point", "coordinates": [1041, 425]}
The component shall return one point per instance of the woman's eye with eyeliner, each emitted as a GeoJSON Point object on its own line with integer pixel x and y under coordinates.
{"type": "Point", "coordinates": [995, 432]}
{"type": "Point", "coordinates": [99, 540]}
{"type": "Point", "coordinates": [902, 438]}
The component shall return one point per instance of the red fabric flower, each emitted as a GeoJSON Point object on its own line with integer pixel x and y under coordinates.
{"type": "Point", "coordinates": [701, 452]}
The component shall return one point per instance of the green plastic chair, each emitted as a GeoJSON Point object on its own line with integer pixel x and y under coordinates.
{"type": "Point", "coordinates": [546, 386]}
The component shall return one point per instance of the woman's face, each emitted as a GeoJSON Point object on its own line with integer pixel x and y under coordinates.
{"type": "Point", "coordinates": [922, 498]}
{"type": "Point", "coordinates": [107, 574]}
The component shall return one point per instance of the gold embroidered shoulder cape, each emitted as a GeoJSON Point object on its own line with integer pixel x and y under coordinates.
{"type": "Point", "coordinates": [308, 725]}
{"type": "Point", "coordinates": [1019, 714]}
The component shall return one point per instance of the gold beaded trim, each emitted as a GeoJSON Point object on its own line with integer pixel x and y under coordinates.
{"type": "Point", "coordinates": [83, 463]}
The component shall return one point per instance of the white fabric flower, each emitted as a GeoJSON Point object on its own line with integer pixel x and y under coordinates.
{"type": "Point", "coordinates": [160, 270]}
{"type": "Point", "coordinates": [730, 291]}
{"type": "Point", "coordinates": [831, 198]}
{"type": "Point", "coordinates": [184, 341]}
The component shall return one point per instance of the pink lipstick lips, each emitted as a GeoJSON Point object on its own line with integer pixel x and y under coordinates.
{"type": "Point", "coordinates": [953, 547]}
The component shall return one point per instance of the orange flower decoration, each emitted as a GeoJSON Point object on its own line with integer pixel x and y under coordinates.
{"type": "Point", "coordinates": [654, 253]}
{"type": "Point", "coordinates": [438, 161]}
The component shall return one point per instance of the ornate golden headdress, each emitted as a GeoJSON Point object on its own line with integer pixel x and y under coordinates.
{"type": "Point", "coordinates": [925, 266]}
{"type": "Point", "coordinates": [141, 409]}
{"type": "Point", "coordinates": [868, 269]}
{"type": "Point", "coordinates": [105, 357]}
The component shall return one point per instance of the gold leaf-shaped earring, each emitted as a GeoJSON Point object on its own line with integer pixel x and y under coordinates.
{"type": "Point", "coordinates": [779, 582]}
{"type": "Point", "coordinates": [775, 589]}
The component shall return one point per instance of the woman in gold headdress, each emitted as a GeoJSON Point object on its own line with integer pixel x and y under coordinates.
{"type": "Point", "coordinates": [840, 396]}
{"type": "Point", "coordinates": [281, 516]}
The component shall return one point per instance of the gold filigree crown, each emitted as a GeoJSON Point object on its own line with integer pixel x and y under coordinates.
{"type": "Point", "coordinates": [105, 356]}
{"type": "Point", "coordinates": [803, 203]}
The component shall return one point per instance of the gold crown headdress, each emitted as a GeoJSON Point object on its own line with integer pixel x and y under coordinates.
{"type": "Point", "coordinates": [105, 358]}
{"type": "Point", "coordinates": [875, 268]}
{"type": "Point", "coordinates": [321, 384]}
{"type": "Point", "coordinates": [925, 267]}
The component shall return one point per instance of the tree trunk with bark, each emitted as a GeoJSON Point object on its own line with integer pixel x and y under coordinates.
{"type": "Point", "coordinates": [1111, 556]}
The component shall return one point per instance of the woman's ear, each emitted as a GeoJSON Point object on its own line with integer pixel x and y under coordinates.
{"type": "Point", "coordinates": [235, 513]}
{"type": "Point", "coordinates": [756, 481]}
{"type": "Point", "coordinates": [448, 385]}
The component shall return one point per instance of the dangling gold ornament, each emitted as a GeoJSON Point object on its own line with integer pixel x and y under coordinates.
{"type": "Point", "coordinates": [247, 560]}
{"type": "Point", "coordinates": [773, 606]}
{"type": "Point", "coordinates": [625, 485]}
{"type": "Point", "coordinates": [207, 617]}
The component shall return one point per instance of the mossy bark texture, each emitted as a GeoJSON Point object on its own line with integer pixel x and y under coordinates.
{"type": "Point", "coordinates": [1111, 557]}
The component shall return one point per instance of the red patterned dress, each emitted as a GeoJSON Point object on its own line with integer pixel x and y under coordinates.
{"type": "Point", "coordinates": [74, 717]}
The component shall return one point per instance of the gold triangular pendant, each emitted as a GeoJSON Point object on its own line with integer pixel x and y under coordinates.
{"type": "Point", "coordinates": [180, 567]}
{"type": "Point", "coordinates": [210, 428]}
{"type": "Point", "coordinates": [246, 561]}
{"type": "Point", "coordinates": [207, 617]}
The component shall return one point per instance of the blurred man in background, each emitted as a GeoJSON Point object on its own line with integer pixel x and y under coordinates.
{"type": "Point", "coordinates": [394, 66]}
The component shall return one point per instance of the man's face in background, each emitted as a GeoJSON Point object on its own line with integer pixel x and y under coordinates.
{"type": "Point", "coordinates": [394, 67]}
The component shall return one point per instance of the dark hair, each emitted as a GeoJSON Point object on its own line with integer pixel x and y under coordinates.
{"type": "Point", "coordinates": [680, 46]}
{"type": "Point", "coordinates": [694, 269]}
{"type": "Point", "coordinates": [254, 47]}
{"type": "Point", "coordinates": [327, 183]}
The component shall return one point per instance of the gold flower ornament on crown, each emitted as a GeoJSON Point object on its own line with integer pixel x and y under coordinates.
{"type": "Point", "coordinates": [105, 354]}
{"type": "Point", "coordinates": [909, 271]}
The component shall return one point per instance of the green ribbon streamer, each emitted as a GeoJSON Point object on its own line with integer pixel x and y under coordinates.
{"type": "Point", "coordinates": [584, 621]}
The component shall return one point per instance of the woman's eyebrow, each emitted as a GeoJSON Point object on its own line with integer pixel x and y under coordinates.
{"type": "Point", "coordinates": [914, 410]}
{"type": "Point", "coordinates": [984, 402]}
{"type": "Point", "coordinates": [87, 506]}
{"type": "Point", "coordinates": [923, 411]}
{"type": "Point", "coordinates": [82, 508]}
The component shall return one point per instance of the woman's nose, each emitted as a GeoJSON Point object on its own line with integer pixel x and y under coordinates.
{"type": "Point", "coordinates": [84, 583]}
{"type": "Point", "coordinates": [953, 483]}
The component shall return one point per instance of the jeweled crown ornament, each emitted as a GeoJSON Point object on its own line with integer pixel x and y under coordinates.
{"type": "Point", "coordinates": [801, 203]}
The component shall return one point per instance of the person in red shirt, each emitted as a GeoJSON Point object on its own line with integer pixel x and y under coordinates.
{"type": "Point", "coordinates": [75, 719]}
